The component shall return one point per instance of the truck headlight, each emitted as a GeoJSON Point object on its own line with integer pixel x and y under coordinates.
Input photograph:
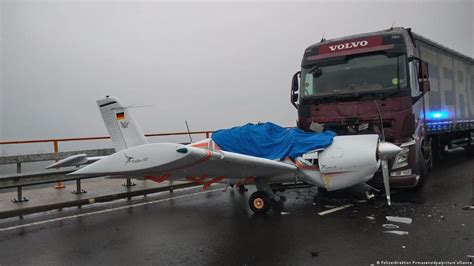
{"type": "Point", "coordinates": [401, 173]}
{"type": "Point", "coordinates": [401, 159]}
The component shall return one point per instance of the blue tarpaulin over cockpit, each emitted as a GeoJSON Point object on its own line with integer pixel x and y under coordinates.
{"type": "Point", "coordinates": [267, 140]}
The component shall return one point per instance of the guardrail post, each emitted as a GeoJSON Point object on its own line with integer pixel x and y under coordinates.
{"type": "Point", "coordinates": [129, 183]}
{"type": "Point", "coordinates": [78, 190]}
{"type": "Point", "coordinates": [20, 197]}
{"type": "Point", "coordinates": [18, 168]}
{"type": "Point", "coordinates": [207, 135]}
{"type": "Point", "coordinates": [58, 184]}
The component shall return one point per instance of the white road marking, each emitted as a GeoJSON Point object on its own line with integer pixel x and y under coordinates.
{"type": "Point", "coordinates": [105, 211]}
{"type": "Point", "coordinates": [335, 209]}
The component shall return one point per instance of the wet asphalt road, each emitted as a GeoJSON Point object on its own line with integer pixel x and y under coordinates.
{"type": "Point", "coordinates": [216, 228]}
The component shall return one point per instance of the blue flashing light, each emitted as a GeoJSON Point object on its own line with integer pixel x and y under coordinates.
{"type": "Point", "coordinates": [437, 115]}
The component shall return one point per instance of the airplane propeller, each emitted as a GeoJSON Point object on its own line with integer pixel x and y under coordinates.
{"type": "Point", "coordinates": [387, 151]}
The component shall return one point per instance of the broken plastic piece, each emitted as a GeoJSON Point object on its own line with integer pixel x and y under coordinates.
{"type": "Point", "coordinates": [285, 213]}
{"type": "Point", "coordinates": [390, 226]}
{"type": "Point", "coordinates": [336, 209]}
{"type": "Point", "coordinates": [397, 232]}
{"type": "Point", "coordinates": [398, 219]}
{"type": "Point", "coordinates": [370, 217]}
{"type": "Point", "coordinates": [369, 195]}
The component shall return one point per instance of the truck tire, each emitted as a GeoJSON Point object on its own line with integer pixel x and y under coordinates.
{"type": "Point", "coordinates": [469, 148]}
{"type": "Point", "coordinates": [422, 172]}
{"type": "Point", "coordinates": [437, 150]}
{"type": "Point", "coordinates": [427, 152]}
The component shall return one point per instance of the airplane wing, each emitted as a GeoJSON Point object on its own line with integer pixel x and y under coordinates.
{"type": "Point", "coordinates": [180, 161]}
{"type": "Point", "coordinates": [75, 160]}
{"type": "Point", "coordinates": [136, 158]}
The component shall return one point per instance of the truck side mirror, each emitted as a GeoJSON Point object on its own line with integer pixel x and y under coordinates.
{"type": "Point", "coordinates": [294, 89]}
{"type": "Point", "coordinates": [424, 82]}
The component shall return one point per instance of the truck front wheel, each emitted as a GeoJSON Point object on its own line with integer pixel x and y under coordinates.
{"type": "Point", "coordinates": [422, 172]}
{"type": "Point", "coordinates": [469, 147]}
{"type": "Point", "coordinates": [437, 149]}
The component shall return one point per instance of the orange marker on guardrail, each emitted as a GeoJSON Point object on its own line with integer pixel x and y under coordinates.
{"type": "Point", "coordinates": [59, 184]}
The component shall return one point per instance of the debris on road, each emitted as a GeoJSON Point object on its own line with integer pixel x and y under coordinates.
{"type": "Point", "coordinates": [396, 232]}
{"type": "Point", "coordinates": [371, 217]}
{"type": "Point", "coordinates": [335, 209]}
{"type": "Point", "coordinates": [369, 195]}
{"type": "Point", "coordinates": [390, 226]}
{"type": "Point", "coordinates": [401, 204]}
{"type": "Point", "coordinates": [285, 213]}
{"type": "Point", "coordinates": [314, 254]}
{"type": "Point", "coordinates": [399, 219]}
{"type": "Point", "coordinates": [471, 208]}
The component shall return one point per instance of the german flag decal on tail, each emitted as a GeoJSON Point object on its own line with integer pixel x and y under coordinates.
{"type": "Point", "coordinates": [120, 116]}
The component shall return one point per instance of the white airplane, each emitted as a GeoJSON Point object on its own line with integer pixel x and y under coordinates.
{"type": "Point", "coordinates": [348, 161]}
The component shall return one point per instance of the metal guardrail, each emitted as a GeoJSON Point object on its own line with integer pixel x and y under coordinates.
{"type": "Point", "coordinates": [20, 179]}
{"type": "Point", "coordinates": [33, 178]}
{"type": "Point", "coordinates": [80, 202]}
{"type": "Point", "coordinates": [40, 157]}
{"type": "Point", "coordinates": [56, 141]}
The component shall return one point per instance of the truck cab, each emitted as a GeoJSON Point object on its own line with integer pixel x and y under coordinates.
{"type": "Point", "coordinates": [370, 83]}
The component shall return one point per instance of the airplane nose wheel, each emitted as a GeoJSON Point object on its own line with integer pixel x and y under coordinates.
{"type": "Point", "coordinates": [259, 202]}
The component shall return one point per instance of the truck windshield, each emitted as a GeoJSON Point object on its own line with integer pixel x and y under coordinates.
{"type": "Point", "coordinates": [358, 74]}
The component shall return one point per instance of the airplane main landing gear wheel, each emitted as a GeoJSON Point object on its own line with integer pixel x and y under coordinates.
{"type": "Point", "coordinates": [259, 202]}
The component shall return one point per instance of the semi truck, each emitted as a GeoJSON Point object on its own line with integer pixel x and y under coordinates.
{"type": "Point", "coordinates": [410, 90]}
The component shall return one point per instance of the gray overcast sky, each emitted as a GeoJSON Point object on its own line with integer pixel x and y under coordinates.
{"type": "Point", "coordinates": [214, 64]}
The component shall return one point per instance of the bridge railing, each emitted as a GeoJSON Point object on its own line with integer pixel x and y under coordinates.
{"type": "Point", "coordinates": [20, 179]}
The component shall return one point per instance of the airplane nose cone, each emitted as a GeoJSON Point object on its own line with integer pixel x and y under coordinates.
{"type": "Point", "coordinates": [388, 150]}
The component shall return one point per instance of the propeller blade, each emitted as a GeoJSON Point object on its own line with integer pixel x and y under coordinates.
{"type": "Point", "coordinates": [386, 181]}
{"type": "Point", "coordinates": [387, 151]}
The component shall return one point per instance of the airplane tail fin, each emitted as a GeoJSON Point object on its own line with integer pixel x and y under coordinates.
{"type": "Point", "coordinates": [123, 129]}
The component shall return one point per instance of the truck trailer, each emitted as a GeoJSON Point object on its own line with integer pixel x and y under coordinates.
{"type": "Point", "coordinates": [410, 90]}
